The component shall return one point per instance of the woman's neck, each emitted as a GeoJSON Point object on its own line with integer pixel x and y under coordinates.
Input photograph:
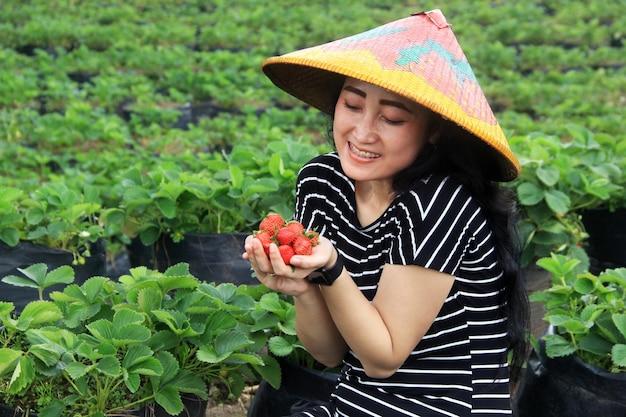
{"type": "Point", "coordinates": [372, 199]}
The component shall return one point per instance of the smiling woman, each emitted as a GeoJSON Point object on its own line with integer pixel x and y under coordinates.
{"type": "Point", "coordinates": [421, 299]}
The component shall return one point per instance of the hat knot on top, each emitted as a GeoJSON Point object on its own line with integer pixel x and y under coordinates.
{"type": "Point", "coordinates": [417, 57]}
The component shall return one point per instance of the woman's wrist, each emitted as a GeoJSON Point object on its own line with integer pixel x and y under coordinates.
{"type": "Point", "coordinates": [327, 275]}
{"type": "Point", "coordinates": [332, 261]}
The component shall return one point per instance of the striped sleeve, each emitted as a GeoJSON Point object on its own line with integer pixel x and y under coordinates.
{"type": "Point", "coordinates": [434, 224]}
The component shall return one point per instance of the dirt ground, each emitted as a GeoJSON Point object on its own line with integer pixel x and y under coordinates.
{"type": "Point", "coordinates": [227, 410]}
{"type": "Point", "coordinates": [235, 408]}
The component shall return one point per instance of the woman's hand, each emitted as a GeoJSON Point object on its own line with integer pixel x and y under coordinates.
{"type": "Point", "coordinates": [288, 279]}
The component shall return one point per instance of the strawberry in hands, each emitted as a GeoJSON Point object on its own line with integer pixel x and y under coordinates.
{"type": "Point", "coordinates": [290, 236]}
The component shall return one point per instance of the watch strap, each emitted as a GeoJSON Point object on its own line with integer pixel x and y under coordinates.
{"type": "Point", "coordinates": [326, 276]}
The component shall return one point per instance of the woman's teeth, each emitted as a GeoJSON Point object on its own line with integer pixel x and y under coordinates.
{"type": "Point", "coordinates": [363, 154]}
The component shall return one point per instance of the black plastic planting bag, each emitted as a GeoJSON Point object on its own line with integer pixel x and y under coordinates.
{"type": "Point", "coordinates": [26, 254]}
{"type": "Point", "coordinates": [301, 388]}
{"type": "Point", "coordinates": [568, 387]}
{"type": "Point", "coordinates": [607, 237]}
{"type": "Point", "coordinates": [212, 257]}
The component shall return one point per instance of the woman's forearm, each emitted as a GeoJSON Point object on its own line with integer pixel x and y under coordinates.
{"type": "Point", "coordinates": [316, 329]}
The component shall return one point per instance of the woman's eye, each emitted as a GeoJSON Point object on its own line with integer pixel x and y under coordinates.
{"type": "Point", "coordinates": [349, 106]}
{"type": "Point", "coordinates": [393, 122]}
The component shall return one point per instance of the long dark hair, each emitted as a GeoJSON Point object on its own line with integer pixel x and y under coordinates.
{"type": "Point", "coordinates": [460, 155]}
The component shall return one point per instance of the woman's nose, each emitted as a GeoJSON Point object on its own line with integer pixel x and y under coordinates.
{"type": "Point", "coordinates": [365, 129]}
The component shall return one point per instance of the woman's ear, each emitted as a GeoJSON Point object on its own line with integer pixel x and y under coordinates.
{"type": "Point", "coordinates": [434, 136]}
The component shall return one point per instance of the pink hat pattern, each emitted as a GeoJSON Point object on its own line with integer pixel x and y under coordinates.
{"type": "Point", "coordinates": [430, 52]}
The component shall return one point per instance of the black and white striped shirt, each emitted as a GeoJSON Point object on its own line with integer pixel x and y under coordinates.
{"type": "Point", "coordinates": [460, 367]}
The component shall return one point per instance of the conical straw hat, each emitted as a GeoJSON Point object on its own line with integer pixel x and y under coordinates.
{"type": "Point", "coordinates": [417, 57]}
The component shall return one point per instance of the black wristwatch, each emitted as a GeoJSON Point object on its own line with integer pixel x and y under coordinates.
{"type": "Point", "coordinates": [326, 276]}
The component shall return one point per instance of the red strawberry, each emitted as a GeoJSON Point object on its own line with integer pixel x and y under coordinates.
{"type": "Point", "coordinates": [296, 226]}
{"type": "Point", "coordinates": [285, 236]}
{"type": "Point", "coordinates": [313, 237]}
{"type": "Point", "coordinates": [286, 252]}
{"type": "Point", "coordinates": [302, 245]}
{"type": "Point", "coordinates": [271, 223]}
{"type": "Point", "coordinates": [265, 238]}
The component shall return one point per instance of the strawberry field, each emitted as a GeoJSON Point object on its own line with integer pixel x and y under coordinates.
{"type": "Point", "coordinates": [124, 120]}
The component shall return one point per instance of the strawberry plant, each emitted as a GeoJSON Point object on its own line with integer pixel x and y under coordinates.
{"type": "Point", "coordinates": [111, 346]}
{"type": "Point", "coordinates": [53, 215]}
{"type": "Point", "coordinates": [587, 312]}
{"type": "Point", "coordinates": [559, 180]}
{"type": "Point", "coordinates": [210, 193]}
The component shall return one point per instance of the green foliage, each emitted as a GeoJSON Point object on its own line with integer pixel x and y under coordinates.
{"type": "Point", "coordinates": [110, 346]}
{"type": "Point", "coordinates": [588, 313]}
{"type": "Point", "coordinates": [559, 180]}
{"type": "Point", "coordinates": [211, 193]}
{"type": "Point", "coordinates": [277, 317]}
{"type": "Point", "coordinates": [52, 215]}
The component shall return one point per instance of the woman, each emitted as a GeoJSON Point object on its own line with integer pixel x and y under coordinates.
{"type": "Point", "coordinates": [414, 285]}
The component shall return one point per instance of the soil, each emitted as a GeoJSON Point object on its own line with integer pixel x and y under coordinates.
{"type": "Point", "coordinates": [233, 408]}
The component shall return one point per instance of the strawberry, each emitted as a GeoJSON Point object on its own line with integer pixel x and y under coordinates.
{"type": "Point", "coordinates": [302, 245]}
{"type": "Point", "coordinates": [296, 226]}
{"type": "Point", "coordinates": [313, 237]}
{"type": "Point", "coordinates": [285, 236]}
{"type": "Point", "coordinates": [271, 223]}
{"type": "Point", "coordinates": [286, 252]}
{"type": "Point", "coordinates": [265, 238]}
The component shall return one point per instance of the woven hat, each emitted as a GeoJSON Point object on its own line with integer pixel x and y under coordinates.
{"type": "Point", "coordinates": [417, 57]}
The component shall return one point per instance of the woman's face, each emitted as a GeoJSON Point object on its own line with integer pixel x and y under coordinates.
{"type": "Point", "coordinates": [377, 133]}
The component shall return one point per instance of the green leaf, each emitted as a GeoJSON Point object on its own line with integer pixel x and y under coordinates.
{"type": "Point", "coordinates": [270, 371]}
{"type": "Point", "coordinates": [77, 370]}
{"type": "Point", "coordinates": [103, 330]}
{"type": "Point", "coordinates": [595, 344]}
{"type": "Point", "coordinates": [40, 312]}
{"type": "Point", "coordinates": [132, 381]}
{"type": "Point", "coordinates": [557, 346]}
{"type": "Point", "coordinates": [10, 236]}
{"type": "Point", "coordinates": [585, 284]}
{"type": "Point", "coordinates": [189, 382]}
{"type": "Point", "coordinates": [109, 365]}
{"type": "Point", "coordinates": [260, 186]}
{"type": "Point", "coordinates": [558, 201]}
{"type": "Point", "coordinates": [280, 346]}
{"type": "Point", "coordinates": [130, 334]}
{"type": "Point", "coordinates": [271, 302]}
{"type": "Point", "coordinates": [249, 358]}
{"type": "Point", "coordinates": [548, 174]}
{"type": "Point", "coordinates": [619, 319]}
{"type": "Point", "coordinates": [35, 275]}
{"type": "Point", "coordinates": [167, 207]}
{"type": "Point", "coordinates": [529, 194]}
{"type": "Point", "coordinates": [225, 345]}
{"type": "Point", "coordinates": [558, 265]}
{"type": "Point", "coordinates": [618, 353]}
{"type": "Point", "coordinates": [176, 321]}
{"type": "Point", "coordinates": [125, 317]}
{"type": "Point", "coordinates": [236, 176]}
{"type": "Point", "coordinates": [9, 358]}
{"type": "Point", "coordinates": [219, 321]}
{"type": "Point", "coordinates": [54, 409]}
{"type": "Point", "coordinates": [139, 360]}
{"type": "Point", "coordinates": [169, 398]}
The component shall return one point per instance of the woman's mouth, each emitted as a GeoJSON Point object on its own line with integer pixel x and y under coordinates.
{"type": "Point", "coordinates": [362, 154]}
